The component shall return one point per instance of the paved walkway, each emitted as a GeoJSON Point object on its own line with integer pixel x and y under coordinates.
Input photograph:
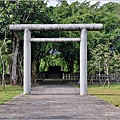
{"type": "Point", "coordinates": [57, 102]}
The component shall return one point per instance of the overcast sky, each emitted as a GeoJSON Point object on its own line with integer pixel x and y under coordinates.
{"type": "Point", "coordinates": [54, 2]}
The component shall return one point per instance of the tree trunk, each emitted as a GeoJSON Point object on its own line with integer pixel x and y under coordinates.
{"type": "Point", "coordinates": [37, 66]}
{"type": "Point", "coordinates": [14, 66]}
{"type": "Point", "coordinates": [106, 72]}
{"type": "Point", "coordinates": [99, 75]}
{"type": "Point", "coordinates": [14, 62]}
{"type": "Point", "coordinates": [92, 77]}
{"type": "Point", "coordinates": [3, 74]}
{"type": "Point", "coordinates": [19, 69]}
{"type": "Point", "coordinates": [71, 66]}
{"type": "Point", "coordinates": [34, 75]}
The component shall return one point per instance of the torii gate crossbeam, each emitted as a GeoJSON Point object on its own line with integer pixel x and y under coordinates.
{"type": "Point", "coordinates": [45, 27]}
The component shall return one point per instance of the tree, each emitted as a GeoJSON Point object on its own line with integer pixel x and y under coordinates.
{"type": "Point", "coordinates": [17, 12]}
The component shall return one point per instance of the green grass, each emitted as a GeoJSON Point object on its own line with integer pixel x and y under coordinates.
{"type": "Point", "coordinates": [111, 95]}
{"type": "Point", "coordinates": [9, 92]}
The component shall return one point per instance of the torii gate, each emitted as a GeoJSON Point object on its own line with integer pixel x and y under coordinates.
{"type": "Point", "coordinates": [46, 27]}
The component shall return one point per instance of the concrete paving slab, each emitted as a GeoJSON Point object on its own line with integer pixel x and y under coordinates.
{"type": "Point", "coordinates": [57, 102]}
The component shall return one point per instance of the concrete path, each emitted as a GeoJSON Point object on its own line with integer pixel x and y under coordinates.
{"type": "Point", "coordinates": [57, 102]}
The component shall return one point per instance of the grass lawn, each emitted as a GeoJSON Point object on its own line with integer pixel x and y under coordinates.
{"type": "Point", "coordinates": [9, 92]}
{"type": "Point", "coordinates": [111, 95]}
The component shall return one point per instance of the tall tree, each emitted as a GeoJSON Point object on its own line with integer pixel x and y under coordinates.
{"type": "Point", "coordinates": [21, 12]}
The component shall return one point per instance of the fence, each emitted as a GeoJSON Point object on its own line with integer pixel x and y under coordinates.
{"type": "Point", "coordinates": [113, 78]}
{"type": "Point", "coordinates": [71, 76]}
{"type": "Point", "coordinates": [98, 78]}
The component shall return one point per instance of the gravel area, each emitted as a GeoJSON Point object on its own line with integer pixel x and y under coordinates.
{"type": "Point", "coordinates": [57, 102]}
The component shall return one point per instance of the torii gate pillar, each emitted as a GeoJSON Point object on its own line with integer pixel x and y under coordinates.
{"type": "Point", "coordinates": [83, 62]}
{"type": "Point", "coordinates": [27, 62]}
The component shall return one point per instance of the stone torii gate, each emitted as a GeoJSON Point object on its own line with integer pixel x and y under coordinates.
{"type": "Point", "coordinates": [46, 27]}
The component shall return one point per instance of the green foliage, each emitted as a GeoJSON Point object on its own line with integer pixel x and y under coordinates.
{"type": "Point", "coordinates": [99, 43]}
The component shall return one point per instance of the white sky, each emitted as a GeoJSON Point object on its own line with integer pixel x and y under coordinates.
{"type": "Point", "coordinates": [54, 2]}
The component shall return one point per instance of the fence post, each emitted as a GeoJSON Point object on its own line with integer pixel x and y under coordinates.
{"type": "Point", "coordinates": [63, 76]}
